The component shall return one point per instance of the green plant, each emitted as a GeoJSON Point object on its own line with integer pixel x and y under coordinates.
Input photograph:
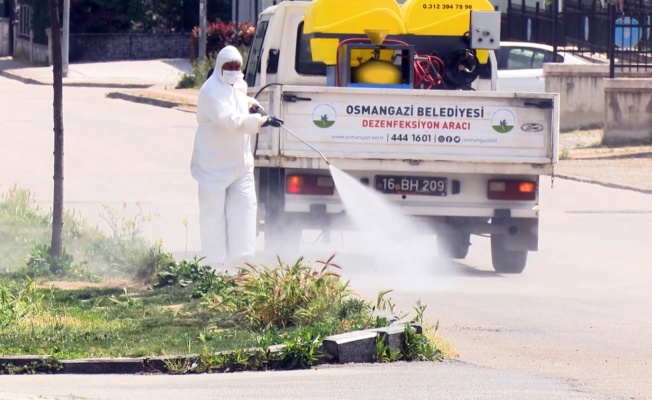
{"type": "Point", "coordinates": [220, 34]}
{"type": "Point", "coordinates": [385, 352]}
{"type": "Point", "coordinates": [199, 74]}
{"type": "Point", "coordinates": [203, 278]}
{"type": "Point", "coordinates": [564, 154]}
{"type": "Point", "coordinates": [42, 264]}
{"type": "Point", "coordinates": [417, 347]}
{"type": "Point", "coordinates": [287, 295]}
{"type": "Point", "coordinates": [18, 301]}
{"type": "Point", "coordinates": [40, 366]}
{"type": "Point", "coordinates": [300, 350]}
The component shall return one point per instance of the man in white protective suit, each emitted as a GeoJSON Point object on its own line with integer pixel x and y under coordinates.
{"type": "Point", "coordinates": [223, 165]}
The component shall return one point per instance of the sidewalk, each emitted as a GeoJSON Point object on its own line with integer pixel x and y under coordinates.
{"type": "Point", "coordinates": [120, 74]}
{"type": "Point", "coordinates": [153, 81]}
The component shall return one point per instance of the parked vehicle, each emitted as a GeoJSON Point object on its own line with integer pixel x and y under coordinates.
{"type": "Point", "coordinates": [414, 115]}
{"type": "Point", "coordinates": [520, 65]}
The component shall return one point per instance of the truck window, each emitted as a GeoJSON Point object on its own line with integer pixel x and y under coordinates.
{"type": "Point", "coordinates": [303, 63]}
{"type": "Point", "coordinates": [253, 60]}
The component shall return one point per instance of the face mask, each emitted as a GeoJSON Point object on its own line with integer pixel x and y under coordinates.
{"type": "Point", "coordinates": [231, 77]}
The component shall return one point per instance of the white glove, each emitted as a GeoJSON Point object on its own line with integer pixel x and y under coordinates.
{"type": "Point", "coordinates": [262, 119]}
{"type": "Point", "coordinates": [255, 104]}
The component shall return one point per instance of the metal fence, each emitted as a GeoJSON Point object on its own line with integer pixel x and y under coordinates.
{"type": "Point", "coordinates": [24, 20]}
{"type": "Point", "coordinates": [619, 33]}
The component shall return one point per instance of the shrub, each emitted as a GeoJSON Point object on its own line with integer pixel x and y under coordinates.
{"type": "Point", "coordinates": [220, 34]}
{"type": "Point", "coordinates": [282, 296]}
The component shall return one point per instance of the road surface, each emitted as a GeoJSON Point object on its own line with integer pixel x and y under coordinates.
{"type": "Point", "coordinates": [575, 325]}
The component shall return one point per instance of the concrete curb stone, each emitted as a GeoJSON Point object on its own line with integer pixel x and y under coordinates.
{"type": "Point", "coordinates": [350, 347]}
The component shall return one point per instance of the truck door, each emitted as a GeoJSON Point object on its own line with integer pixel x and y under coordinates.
{"type": "Point", "coordinates": [254, 60]}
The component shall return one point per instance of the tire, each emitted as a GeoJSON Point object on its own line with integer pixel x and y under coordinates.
{"type": "Point", "coordinates": [453, 243]}
{"type": "Point", "coordinates": [506, 261]}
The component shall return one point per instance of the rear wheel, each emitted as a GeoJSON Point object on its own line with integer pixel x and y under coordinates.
{"type": "Point", "coordinates": [453, 243]}
{"type": "Point", "coordinates": [506, 261]}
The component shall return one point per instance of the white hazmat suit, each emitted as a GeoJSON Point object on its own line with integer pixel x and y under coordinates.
{"type": "Point", "coordinates": [222, 164]}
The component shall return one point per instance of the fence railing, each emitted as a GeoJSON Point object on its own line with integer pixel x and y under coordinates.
{"type": "Point", "coordinates": [620, 33]}
{"type": "Point", "coordinates": [24, 20]}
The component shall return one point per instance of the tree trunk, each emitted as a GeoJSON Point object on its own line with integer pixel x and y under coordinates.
{"type": "Point", "coordinates": [56, 246]}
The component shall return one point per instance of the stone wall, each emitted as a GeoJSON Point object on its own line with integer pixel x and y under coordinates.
{"type": "Point", "coordinates": [627, 111]}
{"type": "Point", "coordinates": [37, 53]}
{"type": "Point", "coordinates": [117, 47]}
{"type": "Point", "coordinates": [581, 88]}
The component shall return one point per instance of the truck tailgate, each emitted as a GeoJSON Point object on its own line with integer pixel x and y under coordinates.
{"type": "Point", "coordinates": [374, 123]}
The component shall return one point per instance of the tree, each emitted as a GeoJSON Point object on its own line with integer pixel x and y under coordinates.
{"type": "Point", "coordinates": [56, 245]}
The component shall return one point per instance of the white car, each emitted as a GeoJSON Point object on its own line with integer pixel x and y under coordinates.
{"type": "Point", "coordinates": [520, 65]}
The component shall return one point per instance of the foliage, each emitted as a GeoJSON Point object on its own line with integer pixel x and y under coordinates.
{"type": "Point", "coordinates": [112, 16]}
{"type": "Point", "coordinates": [282, 296]}
{"type": "Point", "coordinates": [385, 352]}
{"type": "Point", "coordinates": [417, 347]}
{"type": "Point", "coordinates": [25, 228]}
{"type": "Point", "coordinates": [18, 302]}
{"type": "Point", "coordinates": [220, 34]}
{"type": "Point", "coordinates": [40, 366]}
{"type": "Point", "coordinates": [21, 223]}
{"type": "Point", "coordinates": [202, 278]}
{"type": "Point", "coordinates": [199, 74]}
{"type": "Point", "coordinates": [42, 264]}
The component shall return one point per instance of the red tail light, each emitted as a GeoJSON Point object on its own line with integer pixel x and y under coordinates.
{"type": "Point", "coordinates": [309, 184]}
{"type": "Point", "coordinates": [511, 190]}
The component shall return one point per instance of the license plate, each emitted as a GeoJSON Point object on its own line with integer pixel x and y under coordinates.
{"type": "Point", "coordinates": [431, 186]}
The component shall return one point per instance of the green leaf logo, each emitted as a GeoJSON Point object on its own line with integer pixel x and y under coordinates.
{"type": "Point", "coordinates": [503, 120]}
{"type": "Point", "coordinates": [324, 116]}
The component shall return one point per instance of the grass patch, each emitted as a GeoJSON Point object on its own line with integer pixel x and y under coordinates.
{"type": "Point", "coordinates": [171, 308]}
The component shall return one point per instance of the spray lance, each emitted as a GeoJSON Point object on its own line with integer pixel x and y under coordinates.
{"type": "Point", "coordinates": [278, 123]}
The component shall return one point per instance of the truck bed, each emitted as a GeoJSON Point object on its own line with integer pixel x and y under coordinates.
{"type": "Point", "coordinates": [429, 127]}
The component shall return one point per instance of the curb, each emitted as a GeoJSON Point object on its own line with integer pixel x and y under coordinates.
{"type": "Point", "coordinates": [143, 99]}
{"type": "Point", "coordinates": [604, 184]}
{"type": "Point", "coordinates": [350, 347]}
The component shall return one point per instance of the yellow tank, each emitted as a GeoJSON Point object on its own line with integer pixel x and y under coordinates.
{"type": "Point", "coordinates": [450, 18]}
{"type": "Point", "coordinates": [378, 72]}
{"type": "Point", "coordinates": [348, 17]}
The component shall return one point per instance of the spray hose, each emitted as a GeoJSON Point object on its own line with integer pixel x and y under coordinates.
{"type": "Point", "coordinates": [306, 143]}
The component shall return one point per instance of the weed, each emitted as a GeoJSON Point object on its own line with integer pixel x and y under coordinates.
{"type": "Point", "coordinates": [18, 302]}
{"type": "Point", "coordinates": [42, 264]}
{"type": "Point", "coordinates": [282, 296]}
{"type": "Point", "coordinates": [199, 73]}
{"type": "Point", "coordinates": [385, 352]}
{"type": "Point", "coordinates": [40, 366]}
{"type": "Point", "coordinates": [301, 350]}
{"type": "Point", "coordinates": [203, 278]}
{"type": "Point", "coordinates": [417, 347]}
{"type": "Point", "coordinates": [564, 154]}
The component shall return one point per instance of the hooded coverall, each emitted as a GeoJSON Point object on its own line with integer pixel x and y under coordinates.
{"type": "Point", "coordinates": [222, 164]}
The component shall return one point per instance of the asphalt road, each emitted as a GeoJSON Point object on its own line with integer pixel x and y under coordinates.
{"type": "Point", "coordinates": [574, 325]}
